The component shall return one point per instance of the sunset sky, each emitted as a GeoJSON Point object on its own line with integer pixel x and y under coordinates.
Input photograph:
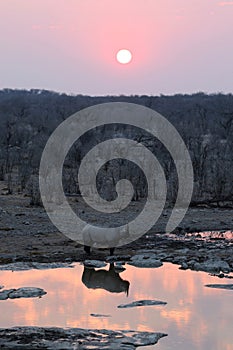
{"type": "Point", "coordinates": [178, 46]}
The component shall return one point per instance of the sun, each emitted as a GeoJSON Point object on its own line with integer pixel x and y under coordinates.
{"type": "Point", "coordinates": [124, 56]}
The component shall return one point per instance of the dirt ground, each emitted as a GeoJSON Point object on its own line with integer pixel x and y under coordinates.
{"type": "Point", "coordinates": [28, 235]}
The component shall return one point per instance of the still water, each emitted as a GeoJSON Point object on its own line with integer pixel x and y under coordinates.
{"type": "Point", "coordinates": [195, 317]}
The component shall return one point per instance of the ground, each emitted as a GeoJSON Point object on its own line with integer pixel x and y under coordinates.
{"type": "Point", "coordinates": [28, 235]}
{"type": "Point", "coordinates": [28, 238]}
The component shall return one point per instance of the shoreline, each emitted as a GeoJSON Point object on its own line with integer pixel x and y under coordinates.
{"type": "Point", "coordinates": [27, 235]}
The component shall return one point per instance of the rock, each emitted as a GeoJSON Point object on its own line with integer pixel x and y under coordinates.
{"type": "Point", "coordinates": [114, 258]}
{"type": "Point", "coordinates": [26, 223]}
{"type": "Point", "coordinates": [225, 204]}
{"type": "Point", "coordinates": [221, 275]}
{"type": "Point", "coordinates": [141, 303]}
{"type": "Point", "coordinates": [224, 267]}
{"type": "Point", "coordinates": [29, 338]}
{"type": "Point", "coordinates": [184, 266]}
{"type": "Point", "coordinates": [169, 259]}
{"type": "Point", "coordinates": [99, 315]}
{"type": "Point", "coordinates": [197, 266]}
{"type": "Point", "coordinates": [179, 259]}
{"type": "Point", "coordinates": [220, 286]}
{"type": "Point", "coordinates": [145, 260]}
{"type": "Point", "coordinates": [24, 292]}
{"type": "Point", "coordinates": [190, 263]}
{"type": "Point", "coordinates": [94, 263]}
{"type": "Point", "coordinates": [27, 292]}
{"type": "Point", "coordinates": [24, 266]}
{"type": "Point", "coordinates": [212, 265]}
{"type": "Point", "coordinates": [4, 295]}
{"type": "Point", "coordinates": [162, 256]}
{"type": "Point", "coordinates": [55, 265]}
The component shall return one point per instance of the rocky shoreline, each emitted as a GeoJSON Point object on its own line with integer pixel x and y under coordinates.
{"type": "Point", "coordinates": [37, 240]}
{"type": "Point", "coordinates": [74, 338]}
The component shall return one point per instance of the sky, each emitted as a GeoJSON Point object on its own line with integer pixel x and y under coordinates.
{"type": "Point", "coordinates": [178, 46]}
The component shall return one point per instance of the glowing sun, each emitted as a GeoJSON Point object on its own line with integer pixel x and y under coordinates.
{"type": "Point", "coordinates": [124, 56]}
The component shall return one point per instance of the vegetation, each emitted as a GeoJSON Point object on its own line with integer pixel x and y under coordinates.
{"type": "Point", "coordinates": [27, 119]}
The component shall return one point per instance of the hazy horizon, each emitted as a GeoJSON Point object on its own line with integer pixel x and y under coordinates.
{"type": "Point", "coordinates": [119, 94]}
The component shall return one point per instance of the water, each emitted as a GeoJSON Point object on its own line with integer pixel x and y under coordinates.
{"type": "Point", "coordinates": [226, 236]}
{"type": "Point", "coordinates": [196, 317]}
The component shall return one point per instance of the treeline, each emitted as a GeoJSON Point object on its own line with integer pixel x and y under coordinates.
{"type": "Point", "coordinates": [205, 122]}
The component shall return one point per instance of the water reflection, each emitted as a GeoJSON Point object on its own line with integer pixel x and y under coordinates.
{"type": "Point", "coordinates": [206, 236]}
{"type": "Point", "coordinates": [108, 280]}
{"type": "Point", "coordinates": [213, 235]}
{"type": "Point", "coordinates": [195, 317]}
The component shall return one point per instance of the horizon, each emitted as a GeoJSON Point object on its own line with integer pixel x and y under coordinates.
{"type": "Point", "coordinates": [35, 90]}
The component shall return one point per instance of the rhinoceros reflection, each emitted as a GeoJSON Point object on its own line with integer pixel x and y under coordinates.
{"type": "Point", "coordinates": [109, 280]}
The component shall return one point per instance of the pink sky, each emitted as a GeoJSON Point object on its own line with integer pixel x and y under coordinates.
{"type": "Point", "coordinates": [178, 46]}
